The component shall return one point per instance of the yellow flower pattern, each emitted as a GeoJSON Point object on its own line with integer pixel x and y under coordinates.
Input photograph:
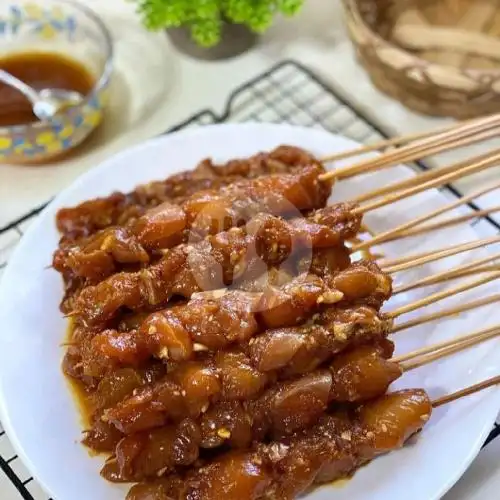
{"type": "Point", "coordinates": [33, 11]}
{"type": "Point", "coordinates": [5, 143]}
{"type": "Point", "coordinates": [47, 31]}
{"type": "Point", "coordinates": [45, 138]}
{"type": "Point", "coordinates": [65, 133]}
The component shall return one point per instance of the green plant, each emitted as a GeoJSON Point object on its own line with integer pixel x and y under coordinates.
{"type": "Point", "coordinates": [204, 17]}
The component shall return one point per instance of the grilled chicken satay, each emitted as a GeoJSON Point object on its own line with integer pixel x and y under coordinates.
{"type": "Point", "coordinates": [225, 257]}
{"type": "Point", "coordinates": [205, 213]}
{"type": "Point", "coordinates": [117, 209]}
{"type": "Point", "coordinates": [282, 470]}
{"type": "Point", "coordinates": [232, 318]}
{"type": "Point", "coordinates": [230, 376]}
{"type": "Point", "coordinates": [211, 322]}
{"type": "Point", "coordinates": [241, 255]}
{"type": "Point", "coordinates": [291, 350]}
{"type": "Point", "coordinates": [295, 351]}
{"type": "Point", "coordinates": [284, 408]}
{"type": "Point", "coordinates": [183, 272]}
{"type": "Point", "coordinates": [113, 388]}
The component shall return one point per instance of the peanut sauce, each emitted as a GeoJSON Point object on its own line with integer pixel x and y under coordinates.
{"type": "Point", "coordinates": [41, 71]}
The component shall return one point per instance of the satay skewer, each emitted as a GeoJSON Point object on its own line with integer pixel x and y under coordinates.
{"type": "Point", "coordinates": [431, 299]}
{"type": "Point", "coordinates": [474, 267]}
{"type": "Point", "coordinates": [343, 378]}
{"type": "Point", "coordinates": [334, 447]}
{"type": "Point", "coordinates": [154, 288]}
{"type": "Point", "coordinates": [339, 444]}
{"type": "Point", "coordinates": [446, 313]}
{"type": "Point", "coordinates": [285, 307]}
{"type": "Point", "coordinates": [119, 208]}
{"type": "Point", "coordinates": [258, 418]}
{"type": "Point", "coordinates": [70, 219]}
{"type": "Point", "coordinates": [365, 372]}
{"type": "Point", "coordinates": [466, 135]}
{"type": "Point", "coordinates": [417, 179]}
{"type": "Point", "coordinates": [395, 141]}
{"type": "Point", "coordinates": [119, 245]}
{"type": "Point", "coordinates": [413, 260]}
{"type": "Point", "coordinates": [410, 153]}
{"type": "Point", "coordinates": [467, 391]}
{"type": "Point", "coordinates": [452, 221]}
{"type": "Point", "coordinates": [460, 342]}
{"type": "Point", "coordinates": [203, 214]}
{"type": "Point", "coordinates": [290, 349]}
{"type": "Point", "coordinates": [402, 230]}
{"type": "Point", "coordinates": [390, 266]}
{"type": "Point", "coordinates": [472, 167]}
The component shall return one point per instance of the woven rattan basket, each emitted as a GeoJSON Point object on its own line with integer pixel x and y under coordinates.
{"type": "Point", "coordinates": [438, 57]}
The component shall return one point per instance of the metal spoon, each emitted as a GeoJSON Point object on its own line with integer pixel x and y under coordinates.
{"type": "Point", "coordinates": [47, 102]}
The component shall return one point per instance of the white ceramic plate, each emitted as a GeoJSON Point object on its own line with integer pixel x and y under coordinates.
{"type": "Point", "coordinates": [39, 413]}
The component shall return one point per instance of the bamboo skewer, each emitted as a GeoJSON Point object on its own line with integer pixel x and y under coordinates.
{"type": "Point", "coordinates": [429, 354]}
{"type": "Point", "coordinates": [418, 179]}
{"type": "Point", "coordinates": [463, 274]}
{"type": "Point", "coordinates": [394, 141]}
{"type": "Point", "coordinates": [409, 258]}
{"type": "Point", "coordinates": [464, 339]}
{"type": "Point", "coordinates": [442, 295]}
{"type": "Point", "coordinates": [400, 231]}
{"type": "Point", "coordinates": [452, 311]}
{"type": "Point", "coordinates": [447, 351]}
{"type": "Point", "coordinates": [425, 258]}
{"type": "Point", "coordinates": [491, 382]}
{"type": "Point", "coordinates": [460, 137]}
{"type": "Point", "coordinates": [457, 174]}
{"type": "Point", "coordinates": [439, 143]}
{"type": "Point", "coordinates": [472, 272]}
{"type": "Point", "coordinates": [475, 271]}
{"type": "Point", "coordinates": [469, 272]}
{"type": "Point", "coordinates": [455, 271]}
{"type": "Point", "coordinates": [412, 257]}
{"type": "Point", "coordinates": [428, 228]}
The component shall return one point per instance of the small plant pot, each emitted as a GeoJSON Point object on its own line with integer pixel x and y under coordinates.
{"type": "Point", "coordinates": [235, 39]}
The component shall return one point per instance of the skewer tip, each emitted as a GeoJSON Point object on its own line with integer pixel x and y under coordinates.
{"type": "Point", "coordinates": [473, 389]}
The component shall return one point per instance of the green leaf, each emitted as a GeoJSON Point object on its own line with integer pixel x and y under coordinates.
{"type": "Point", "coordinates": [206, 33]}
{"type": "Point", "coordinates": [206, 9]}
{"type": "Point", "coordinates": [160, 14]}
{"type": "Point", "coordinates": [239, 11]}
{"type": "Point", "coordinates": [290, 7]}
{"type": "Point", "coordinates": [262, 16]}
{"type": "Point", "coordinates": [204, 16]}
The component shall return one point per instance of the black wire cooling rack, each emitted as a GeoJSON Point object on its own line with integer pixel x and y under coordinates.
{"type": "Point", "coordinates": [287, 93]}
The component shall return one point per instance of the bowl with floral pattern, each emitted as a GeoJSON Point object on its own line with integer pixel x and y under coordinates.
{"type": "Point", "coordinates": [70, 30]}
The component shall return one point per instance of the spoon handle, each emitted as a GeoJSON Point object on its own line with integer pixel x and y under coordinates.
{"type": "Point", "coordinates": [25, 89]}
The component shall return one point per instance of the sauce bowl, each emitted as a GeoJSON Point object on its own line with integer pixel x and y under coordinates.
{"type": "Point", "coordinates": [69, 29]}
